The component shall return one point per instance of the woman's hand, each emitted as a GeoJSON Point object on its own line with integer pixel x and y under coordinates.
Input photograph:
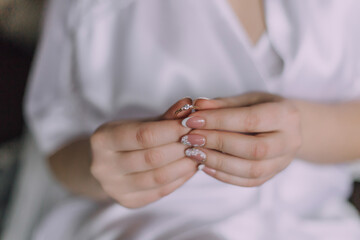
{"type": "Point", "coordinates": [246, 139]}
{"type": "Point", "coordinates": [138, 162]}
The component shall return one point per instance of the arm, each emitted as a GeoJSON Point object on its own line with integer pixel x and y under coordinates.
{"type": "Point", "coordinates": [330, 132]}
{"type": "Point", "coordinates": [71, 167]}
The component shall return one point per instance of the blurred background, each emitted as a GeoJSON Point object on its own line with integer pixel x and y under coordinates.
{"type": "Point", "coordinates": [19, 31]}
{"type": "Point", "coordinates": [20, 24]}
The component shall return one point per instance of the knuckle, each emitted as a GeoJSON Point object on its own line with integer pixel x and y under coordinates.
{"type": "Point", "coordinates": [141, 181]}
{"type": "Point", "coordinates": [292, 112]}
{"type": "Point", "coordinates": [298, 142]}
{"type": "Point", "coordinates": [108, 189]}
{"type": "Point", "coordinates": [130, 204]}
{"type": "Point", "coordinates": [160, 178]}
{"type": "Point", "coordinates": [163, 192]}
{"type": "Point", "coordinates": [153, 158]}
{"type": "Point", "coordinates": [145, 137]}
{"type": "Point", "coordinates": [297, 122]}
{"type": "Point", "coordinates": [259, 150]}
{"type": "Point", "coordinates": [251, 121]}
{"type": "Point", "coordinates": [290, 107]}
{"type": "Point", "coordinates": [219, 163]}
{"type": "Point", "coordinates": [97, 169]}
{"type": "Point", "coordinates": [256, 171]}
{"type": "Point", "coordinates": [217, 122]}
{"type": "Point", "coordinates": [97, 139]}
{"type": "Point", "coordinates": [188, 165]}
{"type": "Point", "coordinates": [247, 183]}
{"type": "Point", "coordinates": [219, 142]}
{"type": "Point", "coordinates": [94, 170]}
{"type": "Point", "coordinates": [254, 182]}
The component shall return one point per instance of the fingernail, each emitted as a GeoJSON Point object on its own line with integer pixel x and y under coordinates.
{"type": "Point", "coordinates": [196, 154]}
{"type": "Point", "coordinates": [209, 171]}
{"type": "Point", "coordinates": [204, 98]}
{"type": "Point", "coordinates": [193, 140]}
{"type": "Point", "coordinates": [200, 98]}
{"type": "Point", "coordinates": [193, 122]}
{"type": "Point", "coordinates": [186, 97]}
{"type": "Point", "coordinates": [201, 167]}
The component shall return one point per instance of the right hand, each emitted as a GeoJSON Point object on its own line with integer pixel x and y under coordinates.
{"type": "Point", "coordinates": [139, 162]}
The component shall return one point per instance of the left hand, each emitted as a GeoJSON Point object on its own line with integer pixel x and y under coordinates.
{"type": "Point", "coordinates": [247, 139]}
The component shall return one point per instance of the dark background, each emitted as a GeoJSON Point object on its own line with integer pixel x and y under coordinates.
{"type": "Point", "coordinates": [14, 68]}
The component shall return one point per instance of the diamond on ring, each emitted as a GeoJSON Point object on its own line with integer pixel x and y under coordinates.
{"type": "Point", "coordinates": [184, 108]}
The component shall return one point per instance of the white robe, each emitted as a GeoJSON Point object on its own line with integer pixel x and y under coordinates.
{"type": "Point", "coordinates": [102, 60]}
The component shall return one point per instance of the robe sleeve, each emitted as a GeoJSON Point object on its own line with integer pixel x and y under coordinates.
{"type": "Point", "coordinates": [53, 107]}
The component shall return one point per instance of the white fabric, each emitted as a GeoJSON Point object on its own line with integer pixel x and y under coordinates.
{"type": "Point", "coordinates": [355, 169]}
{"type": "Point", "coordinates": [115, 59]}
{"type": "Point", "coordinates": [29, 203]}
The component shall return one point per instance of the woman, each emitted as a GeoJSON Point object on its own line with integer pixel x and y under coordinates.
{"type": "Point", "coordinates": [273, 160]}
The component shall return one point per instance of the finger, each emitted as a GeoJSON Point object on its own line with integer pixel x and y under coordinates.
{"type": "Point", "coordinates": [262, 146]}
{"type": "Point", "coordinates": [243, 168]}
{"type": "Point", "coordinates": [142, 198]}
{"type": "Point", "coordinates": [158, 177]}
{"type": "Point", "coordinates": [129, 136]}
{"type": "Point", "coordinates": [144, 160]}
{"type": "Point", "coordinates": [171, 113]}
{"type": "Point", "coordinates": [243, 100]}
{"type": "Point", "coordinates": [234, 180]}
{"type": "Point", "coordinates": [206, 104]}
{"type": "Point", "coordinates": [264, 117]}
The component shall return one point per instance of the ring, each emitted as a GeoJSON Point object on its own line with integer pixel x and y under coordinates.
{"type": "Point", "coordinates": [184, 108]}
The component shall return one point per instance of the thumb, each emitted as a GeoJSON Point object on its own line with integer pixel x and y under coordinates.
{"type": "Point", "coordinates": [170, 114]}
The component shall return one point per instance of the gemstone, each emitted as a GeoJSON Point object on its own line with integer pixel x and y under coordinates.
{"type": "Point", "coordinates": [199, 155]}
{"type": "Point", "coordinates": [187, 107]}
{"type": "Point", "coordinates": [185, 140]}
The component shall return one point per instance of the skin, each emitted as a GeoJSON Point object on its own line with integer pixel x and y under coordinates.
{"type": "Point", "coordinates": [249, 139]}
{"type": "Point", "coordinates": [132, 162]}
{"type": "Point", "coordinates": [252, 137]}
{"type": "Point", "coordinates": [251, 17]}
{"type": "Point", "coordinates": [136, 163]}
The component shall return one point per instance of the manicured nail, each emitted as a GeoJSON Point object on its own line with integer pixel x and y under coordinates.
{"type": "Point", "coordinates": [201, 98]}
{"type": "Point", "coordinates": [209, 171]}
{"type": "Point", "coordinates": [204, 98]}
{"type": "Point", "coordinates": [186, 97]}
{"type": "Point", "coordinates": [193, 140]}
{"type": "Point", "coordinates": [193, 122]}
{"type": "Point", "coordinates": [196, 154]}
{"type": "Point", "coordinates": [201, 167]}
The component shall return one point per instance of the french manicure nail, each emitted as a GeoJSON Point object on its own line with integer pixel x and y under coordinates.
{"type": "Point", "coordinates": [204, 98]}
{"type": "Point", "coordinates": [201, 167]}
{"type": "Point", "coordinates": [209, 171]}
{"type": "Point", "coordinates": [193, 140]}
{"type": "Point", "coordinates": [186, 97]}
{"type": "Point", "coordinates": [196, 154]}
{"type": "Point", "coordinates": [201, 98]}
{"type": "Point", "coordinates": [193, 122]}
